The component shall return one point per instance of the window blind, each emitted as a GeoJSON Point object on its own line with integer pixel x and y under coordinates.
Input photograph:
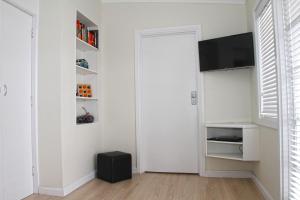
{"type": "Point", "coordinates": [291, 10]}
{"type": "Point", "coordinates": [267, 62]}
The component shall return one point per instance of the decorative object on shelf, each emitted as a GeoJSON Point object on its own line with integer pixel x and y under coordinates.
{"type": "Point", "coordinates": [86, 118]}
{"type": "Point", "coordinates": [84, 90]}
{"type": "Point", "coordinates": [82, 63]}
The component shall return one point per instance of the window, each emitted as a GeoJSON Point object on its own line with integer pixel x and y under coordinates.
{"type": "Point", "coordinates": [267, 66]}
{"type": "Point", "coordinates": [291, 38]}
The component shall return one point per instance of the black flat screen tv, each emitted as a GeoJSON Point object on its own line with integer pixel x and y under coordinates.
{"type": "Point", "coordinates": [229, 52]}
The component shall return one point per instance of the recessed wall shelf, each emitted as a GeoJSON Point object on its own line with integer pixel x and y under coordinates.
{"type": "Point", "coordinates": [223, 142]}
{"type": "Point", "coordinates": [231, 125]}
{"type": "Point", "coordinates": [87, 30]}
{"type": "Point", "coordinates": [231, 156]}
{"type": "Point", "coordinates": [245, 150]}
{"type": "Point", "coordinates": [84, 46]}
{"type": "Point", "coordinates": [86, 98]}
{"type": "Point", "coordinates": [84, 71]}
{"type": "Point", "coordinates": [87, 124]}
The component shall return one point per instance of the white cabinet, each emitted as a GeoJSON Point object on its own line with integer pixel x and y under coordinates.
{"type": "Point", "coordinates": [245, 149]}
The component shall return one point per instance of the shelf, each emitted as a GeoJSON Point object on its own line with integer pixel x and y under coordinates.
{"type": "Point", "coordinates": [84, 46]}
{"type": "Point", "coordinates": [231, 125]}
{"type": "Point", "coordinates": [86, 99]}
{"type": "Point", "coordinates": [245, 150]}
{"type": "Point", "coordinates": [84, 71]}
{"type": "Point", "coordinates": [232, 156]}
{"type": "Point", "coordinates": [224, 142]}
{"type": "Point", "coordinates": [82, 124]}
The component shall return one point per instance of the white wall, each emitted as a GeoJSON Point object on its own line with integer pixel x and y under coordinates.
{"type": "Point", "coordinates": [228, 96]}
{"type": "Point", "coordinates": [28, 5]}
{"type": "Point", "coordinates": [268, 169]}
{"type": "Point", "coordinates": [227, 93]}
{"type": "Point", "coordinates": [49, 108]}
{"type": "Point", "coordinates": [250, 4]}
{"type": "Point", "coordinates": [66, 151]}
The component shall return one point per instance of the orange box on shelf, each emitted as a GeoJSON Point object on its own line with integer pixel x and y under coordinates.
{"type": "Point", "coordinates": [84, 90]}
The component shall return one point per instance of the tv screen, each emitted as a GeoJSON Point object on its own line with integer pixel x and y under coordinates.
{"type": "Point", "coordinates": [227, 52]}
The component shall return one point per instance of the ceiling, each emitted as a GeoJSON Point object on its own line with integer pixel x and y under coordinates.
{"type": "Point", "coordinates": [176, 1]}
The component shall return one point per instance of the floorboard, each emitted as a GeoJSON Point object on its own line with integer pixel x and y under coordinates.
{"type": "Point", "coordinates": [151, 186]}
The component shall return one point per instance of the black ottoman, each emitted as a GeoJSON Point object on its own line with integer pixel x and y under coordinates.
{"type": "Point", "coordinates": [114, 166]}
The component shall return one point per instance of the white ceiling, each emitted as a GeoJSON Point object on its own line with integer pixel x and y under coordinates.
{"type": "Point", "coordinates": [176, 1]}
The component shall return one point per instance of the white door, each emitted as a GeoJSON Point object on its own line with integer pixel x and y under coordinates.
{"type": "Point", "coordinates": [15, 98]}
{"type": "Point", "coordinates": [168, 117]}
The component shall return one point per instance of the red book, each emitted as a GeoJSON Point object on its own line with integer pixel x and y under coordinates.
{"type": "Point", "coordinates": [78, 31]}
{"type": "Point", "coordinates": [89, 38]}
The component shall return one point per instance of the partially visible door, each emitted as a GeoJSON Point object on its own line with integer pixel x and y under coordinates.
{"type": "Point", "coordinates": [15, 122]}
{"type": "Point", "coordinates": [1, 115]}
{"type": "Point", "coordinates": [169, 118]}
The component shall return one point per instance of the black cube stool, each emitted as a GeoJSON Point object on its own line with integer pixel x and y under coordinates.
{"type": "Point", "coordinates": [114, 166]}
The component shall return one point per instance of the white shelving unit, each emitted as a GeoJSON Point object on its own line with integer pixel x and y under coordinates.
{"type": "Point", "coordinates": [246, 150]}
{"type": "Point", "coordinates": [87, 75]}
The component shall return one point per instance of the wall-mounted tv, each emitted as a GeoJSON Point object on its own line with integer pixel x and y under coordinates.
{"type": "Point", "coordinates": [229, 52]}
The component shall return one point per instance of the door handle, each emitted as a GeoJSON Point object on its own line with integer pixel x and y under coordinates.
{"type": "Point", "coordinates": [4, 90]}
{"type": "Point", "coordinates": [194, 97]}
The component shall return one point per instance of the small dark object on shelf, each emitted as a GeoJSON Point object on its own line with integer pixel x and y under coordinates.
{"type": "Point", "coordinates": [82, 63]}
{"type": "Point", "coordinates": [226, 139]}
{"type": "Point", "coordinates": [84, 119]}
{"type": "Point", "coordinates": [114, 166]}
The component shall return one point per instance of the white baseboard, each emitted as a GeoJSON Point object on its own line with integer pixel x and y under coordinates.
{"type": "Point", "coordinates": [262, 188]}
{"type": "Point", "coordinates": [61, 192]}
{"type": "Point", "coordinates": [51, 191]}
{"type": "Point", "coordinates": [134, 170]}
{"type": "Point", "coordinates": [77, 184]}
{"type": "Point", "coordinates": [229, 174]}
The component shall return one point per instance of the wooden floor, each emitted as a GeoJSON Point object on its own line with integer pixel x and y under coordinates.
{"type": "Point", "coordinates": [152, 186]}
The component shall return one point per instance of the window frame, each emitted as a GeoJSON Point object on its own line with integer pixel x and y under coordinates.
{"type": "Point", "coordinates": [283, 103]}
{"type": "Point", "coordinates": [264, 120]}
{"type": "Point", "coordinates": [282, 92]}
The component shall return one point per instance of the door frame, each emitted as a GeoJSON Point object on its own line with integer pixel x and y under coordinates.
{"type": "Point", "coordinates": [139, 36]}
{"type": "Point", "coordinates": [34, 81]}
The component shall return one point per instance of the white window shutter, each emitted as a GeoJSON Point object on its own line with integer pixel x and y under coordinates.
{"type": "Point", "coordinates": [291, 10]}
{"type": "Point", "coordinates": [267, 62]}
